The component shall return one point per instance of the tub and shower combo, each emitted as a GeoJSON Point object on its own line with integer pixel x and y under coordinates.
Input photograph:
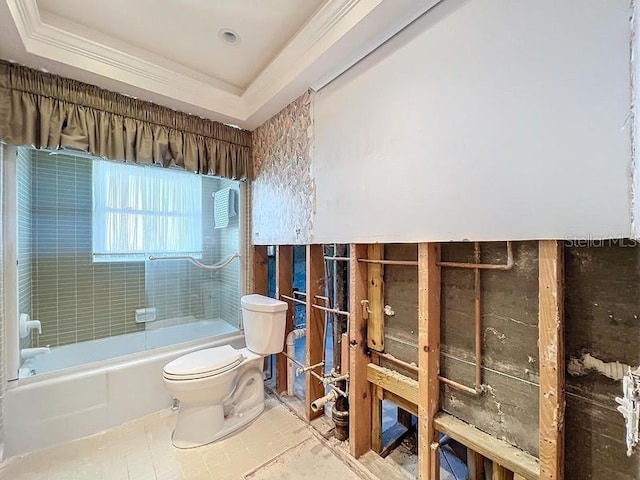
{"type": "Point", "coordinates": [93, 330]}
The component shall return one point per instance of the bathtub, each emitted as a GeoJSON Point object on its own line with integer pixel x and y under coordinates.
{"type": "Point", "coordinates": [78, 392]}
{"type": "Point", "coordinates": [156, 336]}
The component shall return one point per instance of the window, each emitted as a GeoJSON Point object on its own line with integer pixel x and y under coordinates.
{"type": "Point", "coordinates": [139, 211]}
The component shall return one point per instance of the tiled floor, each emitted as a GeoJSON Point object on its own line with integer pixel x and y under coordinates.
{"type": "Point", "coordinates": [142, 450]}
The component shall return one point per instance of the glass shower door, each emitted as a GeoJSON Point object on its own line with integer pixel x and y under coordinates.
{"type": "Point", "coordinates": [197, 295]}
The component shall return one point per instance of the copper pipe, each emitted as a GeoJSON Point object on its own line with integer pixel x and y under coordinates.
{"type": "Point", "coordinates": [413, 368]}
{"type": "Point", "coordinates": [305, 366]}
{"type": "Point", "coordinates": [321, 297]}
{"type": "Point", "coordinates": [458, 386]}
{"type": "Point", "coordinates": [397, 361]}
{"type": "Point", "coordinates": [302, 294]}
{"type": "Point", "coordinates": [478, 317]}
{"type": "Point", "coordinates": [413, 263]}
{"type": "Point", "coordinates": [477, 266]}
{"type": "Point", "coordinates": [338, 259]}
{"type": "Point", "coordinates": [483, 266]}
{"type": "Point", "coordinates": [286, 297]}
{"type": "Point", "coordinates": [330, 310]}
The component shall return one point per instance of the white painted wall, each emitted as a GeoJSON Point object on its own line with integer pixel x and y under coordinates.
{"type": "Point", "coordinates": [485, 120]}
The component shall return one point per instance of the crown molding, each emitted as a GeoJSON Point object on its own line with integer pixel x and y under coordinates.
{"type": "Point", "coordinates": [313, 56]}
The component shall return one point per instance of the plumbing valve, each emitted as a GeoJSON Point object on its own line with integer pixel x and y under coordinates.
{"type": "Point", "coordinates": [630, 408]}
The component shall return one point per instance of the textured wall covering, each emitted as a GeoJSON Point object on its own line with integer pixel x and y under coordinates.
{"type": "Point", "coordinates": [283, 192]}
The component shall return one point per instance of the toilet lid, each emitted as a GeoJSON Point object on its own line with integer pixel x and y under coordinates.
{"type": "Point", "coordinates": [203, 363]}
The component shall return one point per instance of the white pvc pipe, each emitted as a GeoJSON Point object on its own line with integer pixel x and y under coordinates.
{"type": "Point", "coordinates": [316, 405]}
{"type": "Point", "coordinates": [291, 341]}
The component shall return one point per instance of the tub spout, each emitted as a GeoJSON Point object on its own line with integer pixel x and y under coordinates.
{"type": "Point", "coordinates": [27, 353]}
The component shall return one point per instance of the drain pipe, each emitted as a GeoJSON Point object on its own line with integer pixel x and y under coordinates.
{"type": "Point", "coordinates": [291, 341]}
{"type": "Point", "coordinates": [316, 405]}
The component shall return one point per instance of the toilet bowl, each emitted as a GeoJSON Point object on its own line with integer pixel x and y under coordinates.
{"type": "Point", "coordinates": [221, 389]}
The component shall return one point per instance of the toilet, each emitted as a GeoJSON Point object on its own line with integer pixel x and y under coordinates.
{"type": "Point", "coordinates": [221, 389]}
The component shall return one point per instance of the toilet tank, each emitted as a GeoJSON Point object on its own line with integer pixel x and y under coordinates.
{"type": "Point", "coordinates": [264, 320]}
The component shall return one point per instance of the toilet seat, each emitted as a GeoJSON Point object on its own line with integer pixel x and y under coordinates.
{"type": "Point", "coordinates": [203, 363]}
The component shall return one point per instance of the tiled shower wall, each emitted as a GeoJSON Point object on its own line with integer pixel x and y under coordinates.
{"type": "Point", "coordinates": [23, 167]}
{"type": "Point", "coordinates": [283, 192]}
{"type": "Point", "coordinates": [75, 299]}
{"type": "Point", "coordinates": [78, 300]}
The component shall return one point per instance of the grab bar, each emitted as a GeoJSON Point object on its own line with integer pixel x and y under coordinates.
{"type": "Point", "coordinates": [220, 265]}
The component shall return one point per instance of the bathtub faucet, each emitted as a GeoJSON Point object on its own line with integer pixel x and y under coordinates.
{"type": "Point", "coordinates": [25, 325]}
{"type": "Point", "coordinates": [27, 353]}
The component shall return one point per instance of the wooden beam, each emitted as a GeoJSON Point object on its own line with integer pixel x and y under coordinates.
{"type": "Point", "coordinates": [475, 465]}
{"type": "Point", "coordinates": [315, 326]}
{"type": "Point", "coordinates": [501, 473]}
{"type": "Point", "coordinates": [375, 295]}
{"type": "Point", "coordinates": [394, 382]}
{"type": "Point", "coordinates": [498, 451]}
{"type": "Point", "coordinates": [360, 396]}
{"type": "Point", "coordinates": [551, 344]}
{"type": "Point", "coordinates": [260, 270]}
{"type": "Point", "coordinates": [404, 404]}
{"type": "Point", "coordinates": [428, 359]}
{"type": "Point", "coordinates": [284, 285]}
{"type": "Point", "coordinates": [376, 420]}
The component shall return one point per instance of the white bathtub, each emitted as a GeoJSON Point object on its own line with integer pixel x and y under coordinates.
{"type": "Point", "coordinates": [79, 354]}
{"type": "Point", "coordinates": [64, 405]}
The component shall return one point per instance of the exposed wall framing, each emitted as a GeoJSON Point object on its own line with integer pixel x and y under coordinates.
{"type": "Point", "coordinates": [284, 286]}
{"type": "Point", "coordinates": [260, 273]}
{"type": "Point", "coordinates": [360, 390]}
{"type": "Point", "coordinates": [429, 359]}
{"type": "Point", "coordinates": [428, 339]}
{"type": "Point", "coordinates": [315, 326]}
{"type": "Point", "coordinates": [551, 342]}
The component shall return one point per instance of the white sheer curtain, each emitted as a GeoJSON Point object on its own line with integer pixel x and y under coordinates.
{"type": "Point", "coordinates": [144, 210]}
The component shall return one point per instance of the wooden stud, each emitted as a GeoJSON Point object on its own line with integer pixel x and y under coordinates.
{"type": "Point", "coordinates": [405, 418]}
{"type": "Point", "coordinates": [344, 345]}
{"type": "Point", "coordinates": [428, 359]}
{"type": "Point", "coordinates": [284, 285]}
{"type": "Point", "coordinates": [551, 345]}
{"type": "Point", "coordinates": [260, 270]}
{"type": "Point", "coordinates": [360, 395]}
{"type": "Point", "coordinates": [376, 420]}
{"type": "Point", "coordinates": [375, 295]}
{"type": "Point", "coordinates": [475, 465]}
{"type": "Point", "coordinates": [518, 477]}
{"type": "Point", "coordinates": [501, 473]}
{"type": "Point", "coordinates": [315, 326]}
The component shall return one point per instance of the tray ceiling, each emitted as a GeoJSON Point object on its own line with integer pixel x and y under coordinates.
{"type": "Point", "coordinates": [171, 51]}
